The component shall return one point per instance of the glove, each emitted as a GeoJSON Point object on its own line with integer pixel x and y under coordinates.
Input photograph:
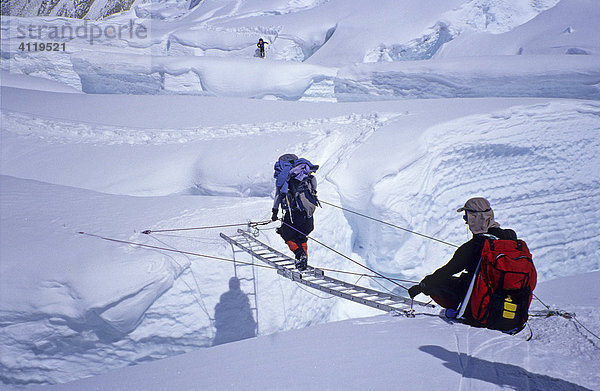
{"type": "Point", "coordinates": [415, 290]}
{"type": "Point", "coordinates": [274, 216]}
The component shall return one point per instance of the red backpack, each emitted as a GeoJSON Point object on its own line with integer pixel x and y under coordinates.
{"type": "Point", "coordinates": [503, 286]}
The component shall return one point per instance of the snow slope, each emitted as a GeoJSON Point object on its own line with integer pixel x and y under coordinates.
{"type": "Point", "coordinates": [180, 127]}
{"type": "Point", "coordinates": [387, 353]}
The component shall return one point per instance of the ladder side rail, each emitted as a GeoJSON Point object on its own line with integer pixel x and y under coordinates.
{"type": "Point", "coordinates": [357, 287]}
{"type": "Point", "coordinates": [348, 285]}
{"type": "Point", "coordinates": [253, 253]}
{"type": "Point", "coordinates": [249, 251]}
{"type": "Point", "coordinates": [252, 238]}
{"type": "Point", "coordinates": [382, 296]}
{"type": "Point", "coordinates": [297, 277]}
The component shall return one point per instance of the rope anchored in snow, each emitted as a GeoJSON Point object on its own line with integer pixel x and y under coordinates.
{"type": "Point", "coordinates": [250, 224]}
{"type": "Point", "coordinates": [548, 312]}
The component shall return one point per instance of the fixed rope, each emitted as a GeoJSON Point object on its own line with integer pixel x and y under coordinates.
{"type": "Point", "coordinates": [389, 224]}
{"type": "Point", "coordinates": [247, 223]}
{"type": "Point", "coordinates": [199, 255]}
{"type": "Point", "coordinates": [258, 223]}
{"type": "Point", "coordinates": [171, 250]}
{"type": "Point", "coordinates": [566, 315]}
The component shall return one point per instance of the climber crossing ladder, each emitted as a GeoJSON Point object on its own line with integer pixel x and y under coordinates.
{"type": "Point", "coordinates": [316, 279]}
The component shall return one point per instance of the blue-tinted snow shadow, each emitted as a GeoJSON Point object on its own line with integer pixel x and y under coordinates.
{"type": "Point", "coordinates": [505, 375]}
{"type": "Point", "coordinates": [233, 315]}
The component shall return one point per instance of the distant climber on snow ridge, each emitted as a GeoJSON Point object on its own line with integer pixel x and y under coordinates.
{"type": "Point", "coordinates": [261, 46]}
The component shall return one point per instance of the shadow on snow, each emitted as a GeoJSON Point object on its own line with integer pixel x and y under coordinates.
{"type": "Point", "coordinates": [504, 375]}
{"type": "Point", "coordinates": [233, 315]}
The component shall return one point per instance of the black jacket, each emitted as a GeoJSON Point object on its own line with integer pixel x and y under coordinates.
{"type": "Point", "coordinates": [465, 258]}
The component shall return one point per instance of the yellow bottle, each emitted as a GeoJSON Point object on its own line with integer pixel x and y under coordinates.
{"type": "Point", "coordinates": [510, 309]}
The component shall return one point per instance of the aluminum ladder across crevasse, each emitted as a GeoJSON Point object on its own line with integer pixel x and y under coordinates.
{"type": "Point", "coordinates": [315, 278]}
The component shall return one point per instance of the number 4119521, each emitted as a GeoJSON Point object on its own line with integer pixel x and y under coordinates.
{"type": "Point", "coordinates": [42, 46]}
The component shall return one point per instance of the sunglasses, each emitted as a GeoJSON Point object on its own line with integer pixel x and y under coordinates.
{"type": "Point", "coordinates": [477, 211]}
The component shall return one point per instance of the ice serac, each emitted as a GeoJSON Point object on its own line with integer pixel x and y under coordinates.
{"type": "Point", "coordinates": [569, 28]}
{"type": "Point", "coordinates": [135, 74]}
{"type": "Point", "coordinates": [89, 9]}
{"type": "Point", "coordinates": [483, 76]}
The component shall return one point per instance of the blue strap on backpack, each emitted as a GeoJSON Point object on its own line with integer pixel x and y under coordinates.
{"type": "Point", "coordinates": [282, 174]}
